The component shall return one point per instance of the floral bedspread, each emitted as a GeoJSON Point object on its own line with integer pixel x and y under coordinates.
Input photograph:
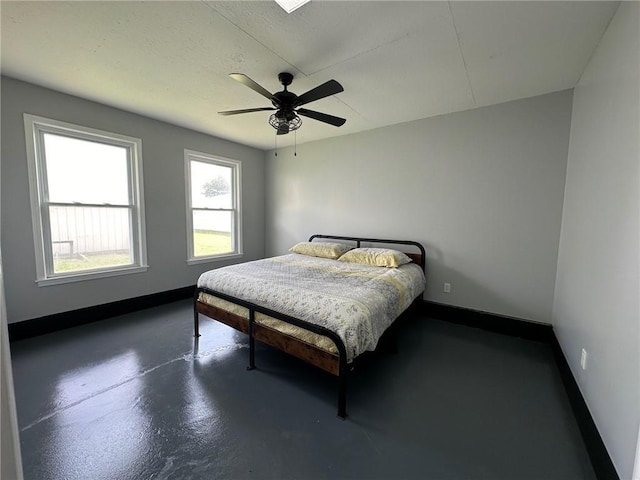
{"type": "Point", "coordinates": [358, 302]}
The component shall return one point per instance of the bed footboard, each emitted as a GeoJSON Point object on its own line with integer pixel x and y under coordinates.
{"type": "Point", "coordinates": [329, 362]}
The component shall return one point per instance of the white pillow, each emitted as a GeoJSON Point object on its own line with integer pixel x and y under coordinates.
{"type": "Point", "coordinates": [379, 257]}
{"type": "Point", "coordinates": [321, 249]}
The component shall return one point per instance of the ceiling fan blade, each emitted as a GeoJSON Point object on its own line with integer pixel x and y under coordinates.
{"type": "Point", "coordinates": [322, 117]}
{"type": "Point", "coordinates": [246, 110]}
{"type": "Point", "coordinates": [326, 89]}
{"type": "Point", "coordinates": [243, 79]}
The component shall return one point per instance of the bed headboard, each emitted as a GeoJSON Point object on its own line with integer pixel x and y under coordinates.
{"type": "Point", "coordinates": [419, 258]}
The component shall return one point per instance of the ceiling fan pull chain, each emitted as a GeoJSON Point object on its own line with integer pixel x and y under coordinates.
{"type": "Point", "coordinates": [295, 143]}
{"type": "Point", "coordinates": [276, 143]}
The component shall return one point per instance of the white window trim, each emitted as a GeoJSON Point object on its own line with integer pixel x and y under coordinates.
{"type": "Point", "coordinates": [33, 125]}
{"type": "Point", "coordinates": [236, 165]}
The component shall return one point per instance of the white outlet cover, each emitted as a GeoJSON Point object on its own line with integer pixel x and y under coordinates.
{"type": "Point", "coordinates": [583, 359]}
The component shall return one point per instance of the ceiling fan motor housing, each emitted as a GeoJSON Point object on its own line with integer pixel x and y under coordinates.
{"type": "Point", "coordinates": [284, 100]}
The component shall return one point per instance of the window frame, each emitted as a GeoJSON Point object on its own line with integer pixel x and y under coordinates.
{"type": "Point", "coordinates": [35, 129]}
{"type": "Point", "coordinates": [236, 197]}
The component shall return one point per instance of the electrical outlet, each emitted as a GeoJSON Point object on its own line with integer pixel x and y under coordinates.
{"type": "Point", "coordinates": [583, 359]}
{"type": "Point", "coordinates": [447, 288]}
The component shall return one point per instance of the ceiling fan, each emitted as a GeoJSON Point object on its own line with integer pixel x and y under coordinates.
{"type": "Point", "coordinates": [287, 104]}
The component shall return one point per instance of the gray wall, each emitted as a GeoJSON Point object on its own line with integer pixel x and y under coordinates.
{"type": "Point", "coordinates": [481, 189]}
{"type": "Point", "coordinates": [164, 188]}
{"type": "Point", "coordinates": [597, 288]}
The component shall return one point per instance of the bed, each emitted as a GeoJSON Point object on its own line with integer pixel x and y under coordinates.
{"type": "Point", "coordinates": [326, 302]}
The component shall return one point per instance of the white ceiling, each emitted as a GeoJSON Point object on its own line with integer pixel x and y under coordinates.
{"type": "Point", "coordinates": [397, 61]}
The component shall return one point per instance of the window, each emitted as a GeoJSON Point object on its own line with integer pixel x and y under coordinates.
{"type": "Point", "coordinates": [213, 207]}
{"type": "Point", "coordinates": [86, 201]}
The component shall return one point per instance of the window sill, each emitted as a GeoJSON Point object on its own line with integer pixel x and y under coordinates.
{"type": "Point", "coordinates": [81, 277]}
{"type": "Point", "coordinates": [217, 258]}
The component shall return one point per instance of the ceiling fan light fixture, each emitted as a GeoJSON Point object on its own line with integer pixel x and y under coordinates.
{"type": "Point", "coordinates": [282, 124]}
{"type": "Point", "coordinates": [291, 5]}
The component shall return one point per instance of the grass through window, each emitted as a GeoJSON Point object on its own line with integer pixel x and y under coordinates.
{"type": "Point", "coordinates": [90, 262]}
{"type": "Point", "coordinates": [206, 242]}
{"type": "Point", "coordinates": [210, 242]}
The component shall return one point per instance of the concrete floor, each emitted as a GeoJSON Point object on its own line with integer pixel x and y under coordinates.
{"type": "Point", "coordinates": [131, 398]}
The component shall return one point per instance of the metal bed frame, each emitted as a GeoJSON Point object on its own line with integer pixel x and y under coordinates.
{"type": "Point", "coordinates": [332, 363]}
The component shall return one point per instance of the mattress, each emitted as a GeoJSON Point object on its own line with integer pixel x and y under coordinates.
{"type": "Point", "coordinates": [358, 302]}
